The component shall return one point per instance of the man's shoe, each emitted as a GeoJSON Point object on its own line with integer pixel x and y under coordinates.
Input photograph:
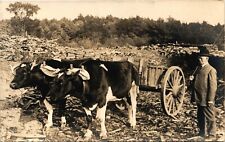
{"type": "Point", "coordinates": [202, 135]}
{"type": "Point", "coordinates": [210, 138]}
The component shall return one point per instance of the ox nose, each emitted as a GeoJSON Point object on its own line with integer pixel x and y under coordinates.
{"type": "Point", "coordinates": [13, 85]}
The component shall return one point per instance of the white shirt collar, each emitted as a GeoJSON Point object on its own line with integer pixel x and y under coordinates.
{"type": "Point", "coordinates": [205, 64]}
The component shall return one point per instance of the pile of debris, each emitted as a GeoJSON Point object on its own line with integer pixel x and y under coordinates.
{"type": "Point", "coordinates": [169, 50]}
{"type": "Point", "coordinates": [17, 48]}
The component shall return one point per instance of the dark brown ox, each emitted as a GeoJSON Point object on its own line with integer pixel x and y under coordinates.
{"type": "Point", "coordinates": [41, 75]}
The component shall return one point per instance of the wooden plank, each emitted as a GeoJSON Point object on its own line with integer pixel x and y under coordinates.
{"type": "Point", "coordinates": [141, 63]}
{"type": "Point", "coordinates": [153, 76]}
{"type": "Point", "coordinates": [159, 73]}
{"type": "Point", "coordinates": [149, 77]}
{"type": "Point", "coordinates": [140, 71]}
{"type": "Point", "coordinates": [145, 75]}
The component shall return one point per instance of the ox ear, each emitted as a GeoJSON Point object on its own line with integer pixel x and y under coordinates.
{"type": "Point", "coordinates": [48, 70]}
{"type": "Point", "coordinates": [84, 74]}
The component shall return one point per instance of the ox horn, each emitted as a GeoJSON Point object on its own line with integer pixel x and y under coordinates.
{"type": "Point", "coordinates": [12, 69]}
{"type": "Point", "coordinates": [71, 66]}
{"type": "Point", "coordinates": [34, 63]}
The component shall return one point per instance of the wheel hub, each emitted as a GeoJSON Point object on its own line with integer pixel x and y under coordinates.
{"type": "Point", "coordinates": [175, 90]}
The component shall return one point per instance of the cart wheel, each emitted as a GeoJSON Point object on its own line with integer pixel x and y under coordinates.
{"type": "Point", "coordinates": [173, 90]}
{"type": "Point", "coordinates": [120, 106]}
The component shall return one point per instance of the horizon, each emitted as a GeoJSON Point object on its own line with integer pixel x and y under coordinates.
{"type": "Point", "coordinates": [184, 11]}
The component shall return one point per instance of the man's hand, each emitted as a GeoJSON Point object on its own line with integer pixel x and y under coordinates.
{"type": "Point", "coordinates": [191, 77]}
{"type": "Point", "coordinates": [210, 103]}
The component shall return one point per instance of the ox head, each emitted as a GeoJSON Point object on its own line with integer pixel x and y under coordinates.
{"type": "Point", "coordinates": [21, 76]}
{"type": "Point", "coordinates": [68, 82]}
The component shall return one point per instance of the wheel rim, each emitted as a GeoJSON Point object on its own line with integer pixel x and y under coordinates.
{"type": "Point", "coordinates": [173, 90]}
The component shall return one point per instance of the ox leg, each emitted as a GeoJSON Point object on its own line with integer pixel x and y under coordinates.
{"type": "Point", "coordinates": [50, 113]}
{"type": "Point", "coordinates": [133, 96]}
{"type": "Point", "coordinates": [101, 116]}
{"type": "Point", "coordinates": [88, 133]}
{"type": "Point", "coordinates": [62, 105]}
{"type": "Point", "coordinates": [129, 111]}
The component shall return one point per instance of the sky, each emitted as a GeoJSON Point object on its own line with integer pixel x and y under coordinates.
{"type": "Point", "coordinates": [211, 11]}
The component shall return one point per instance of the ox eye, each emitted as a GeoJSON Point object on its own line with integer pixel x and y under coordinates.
{"type": "Point", "coordinates": [23, 72]}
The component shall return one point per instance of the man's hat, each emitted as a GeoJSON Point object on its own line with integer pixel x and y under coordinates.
{"type": "Point", "coordinates": [204, 52]}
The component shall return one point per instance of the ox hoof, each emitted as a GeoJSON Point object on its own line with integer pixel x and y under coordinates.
{"type": "Point", "coordinates": [46, 130]}
{"type": "Point", "coordinates": [63, 122]}
{"type": "Point", "coordinates": [103, 135]}
{"type": "Point", "coordinates": [47, 127]}
{"type": "Point", "coordinates": [63, 125]}
{"type": "Point", "coordinates": [88, 135]}
{"type": "Point", "coordinates": [133, 126]}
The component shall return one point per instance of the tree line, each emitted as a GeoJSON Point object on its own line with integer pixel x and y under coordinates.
{"type": "Point", "coordinates": [112, 31]}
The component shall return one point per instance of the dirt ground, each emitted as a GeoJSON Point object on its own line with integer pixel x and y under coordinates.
{"type": "Point", "coordinates": [152, 123]}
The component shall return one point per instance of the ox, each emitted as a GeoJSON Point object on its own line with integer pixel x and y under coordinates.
{"type": "Point", "coordinates": [41, 75]}
{"type": "Point", "coordinates": [96, 83]}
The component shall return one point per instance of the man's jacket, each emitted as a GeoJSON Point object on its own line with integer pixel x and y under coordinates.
{"type": "Point", "coordinates": [205, 85]}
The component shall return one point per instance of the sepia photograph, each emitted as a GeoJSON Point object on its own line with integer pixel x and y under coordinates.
{"type": "Point", "coordinates": [112, 70]}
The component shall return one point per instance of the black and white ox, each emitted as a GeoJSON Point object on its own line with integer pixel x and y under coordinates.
{"type": "Point", "coordinates": [96, 83]}
{"type": "Point", "coordinates": [30, 74]}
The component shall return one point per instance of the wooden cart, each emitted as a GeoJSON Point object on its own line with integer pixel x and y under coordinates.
{"type": "Point", "coordinates": [170, 81]}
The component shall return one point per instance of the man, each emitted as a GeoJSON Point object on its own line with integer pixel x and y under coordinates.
{"type": "Point", "coordinates": [204, 91]}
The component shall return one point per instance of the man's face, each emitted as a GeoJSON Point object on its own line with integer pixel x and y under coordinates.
{"type": "Point", "coordinates": [203, 60]}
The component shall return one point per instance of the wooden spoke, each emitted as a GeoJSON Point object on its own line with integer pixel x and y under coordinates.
{"type": "Point", "coordinates": [174, 76]}
{"type": "Point", "coordinates": [173, 107]}
{"type": "Point", "coordinates": [170, 105]}
{"type": "Point", "coordinates": [176, 104]}
{"type": "Point", "coordinates": [180, 86]}
{"type": "Point", "coordinates": [169, 89]}
{"type": "Point", "coordinates": [178, 99]}
{"type": "Point", "coordinates": [169, 99]}
{"type": "Point", "coordinates": [179, 79]}
{"type": "Point", "coordinates": [170, 84]}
